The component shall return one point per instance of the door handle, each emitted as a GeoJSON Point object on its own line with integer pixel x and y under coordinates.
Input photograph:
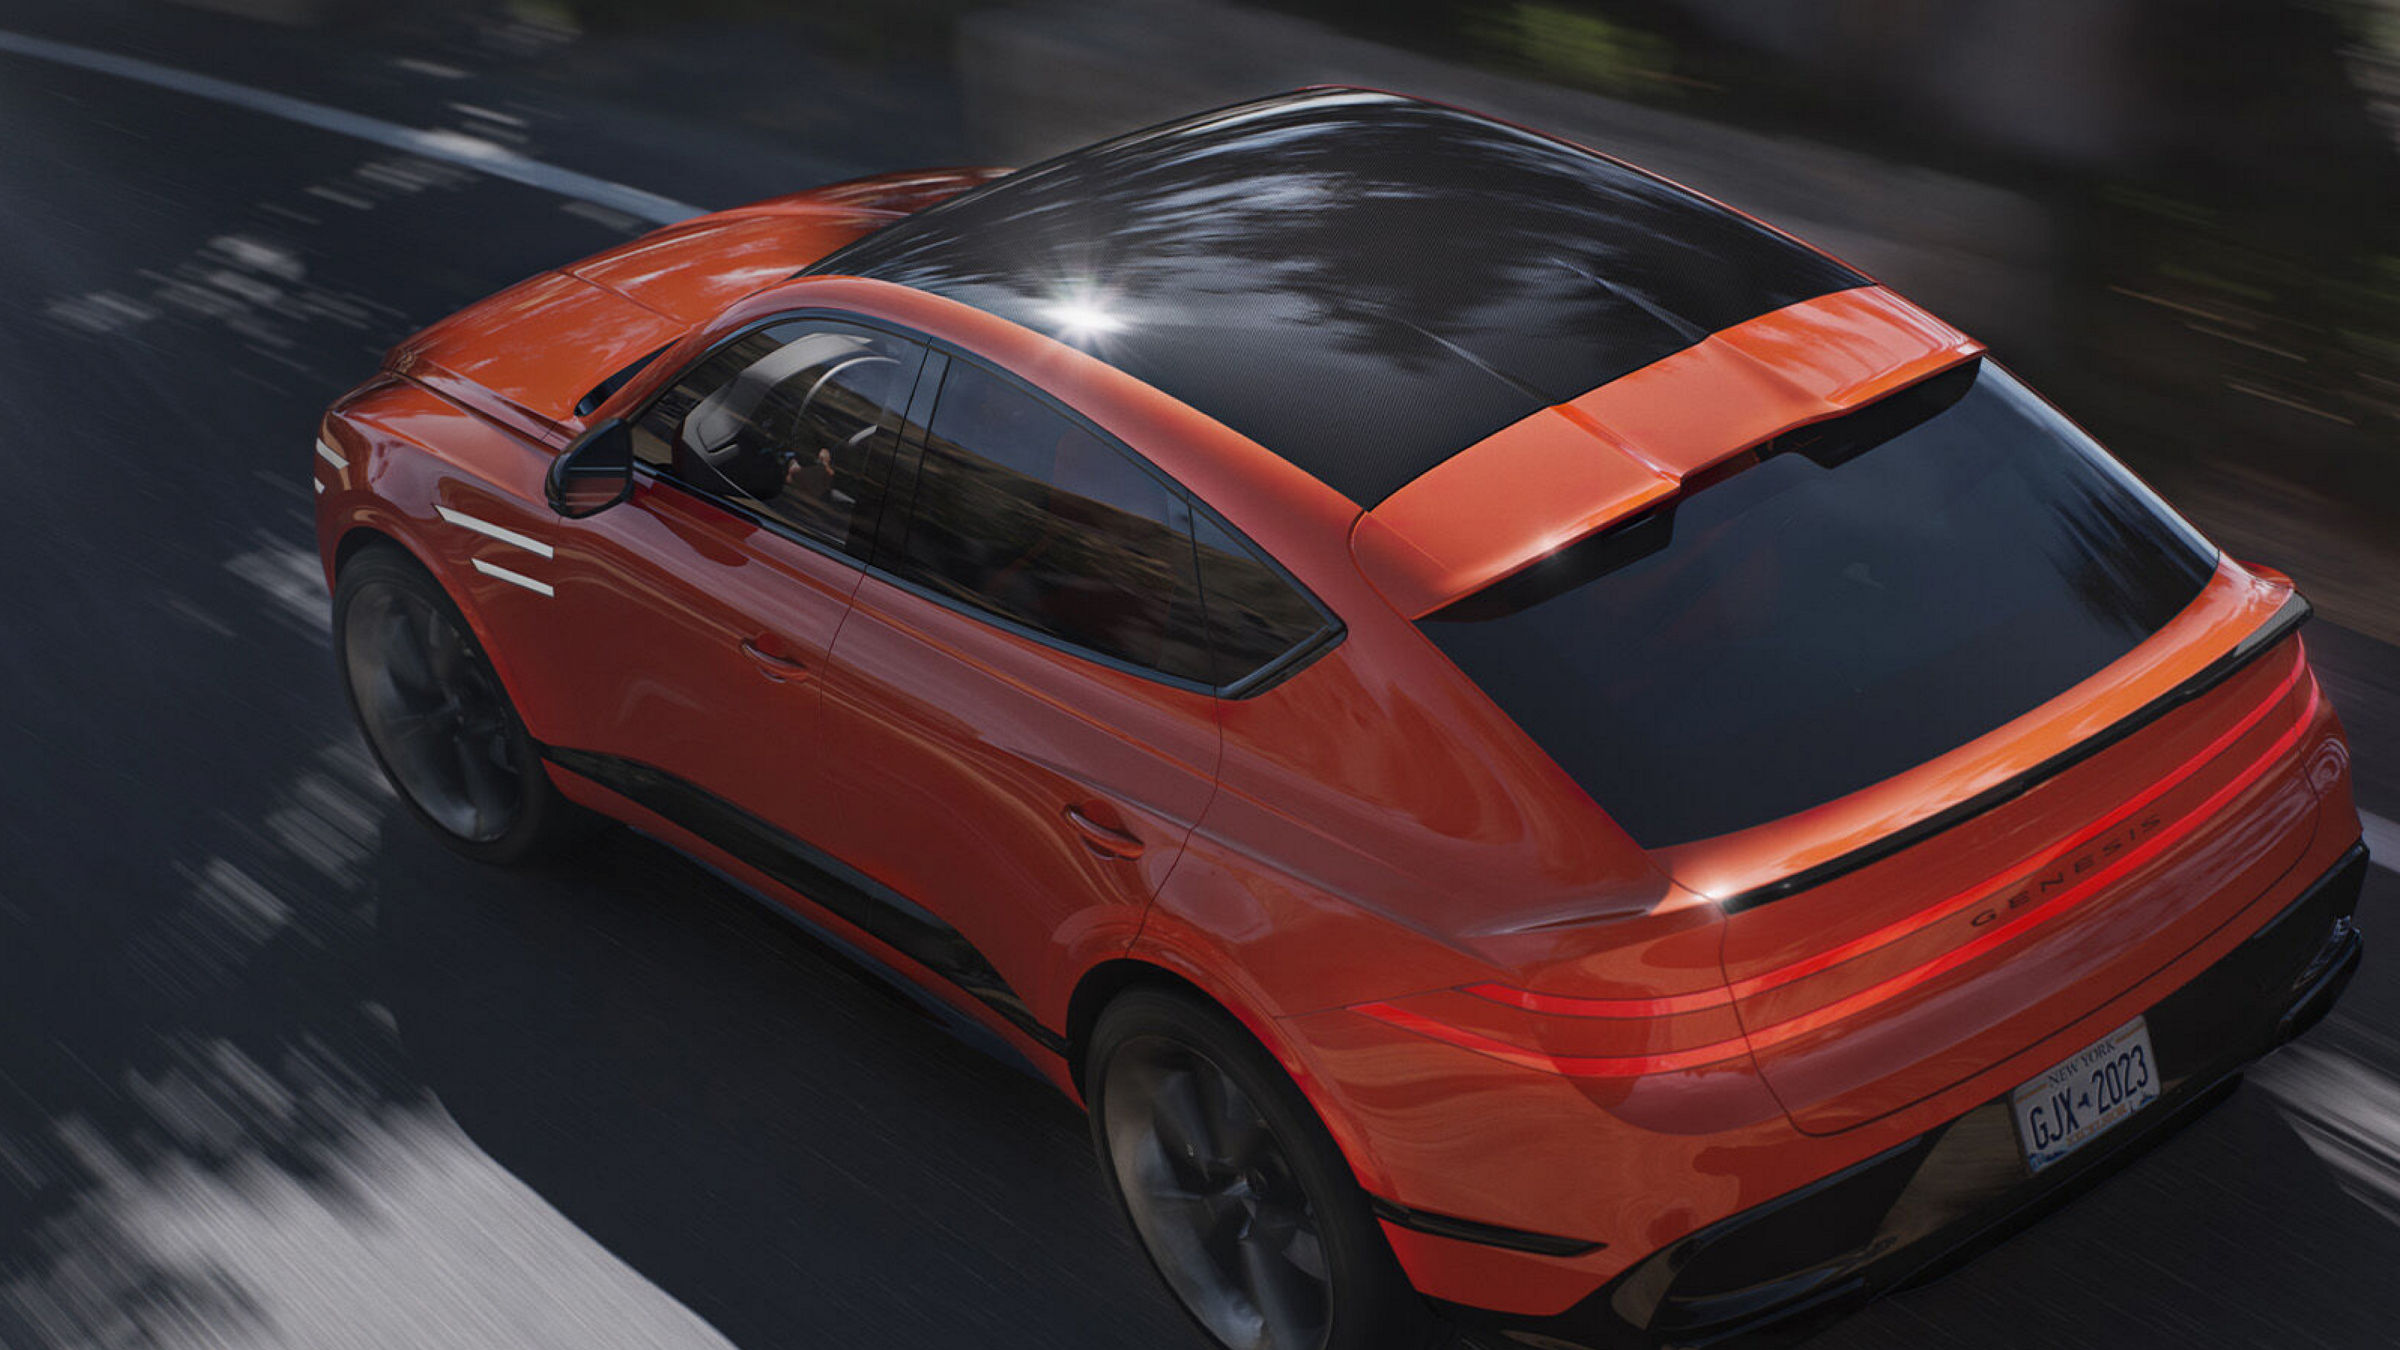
{"type": "Point", "coordinates": [1105, 840]}
{"type": "Point", "coordinates": [773, 664]}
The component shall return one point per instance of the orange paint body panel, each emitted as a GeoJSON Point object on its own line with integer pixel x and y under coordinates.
{"type": "Point", "coordinates": [935, 717]}
{"type": "Point", "coordinates": [690, 272]}
{"type": "Point", "coordinates": [1781, 370]}
{"type": "Point", "coordinates": [526, 355]}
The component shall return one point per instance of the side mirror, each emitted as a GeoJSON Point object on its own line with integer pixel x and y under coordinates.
{"type": "Point", "coordinates": [593, 474]}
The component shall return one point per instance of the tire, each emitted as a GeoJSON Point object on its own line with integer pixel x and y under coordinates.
{"type": "Point", "coordinates": [1240, 1198]}
{"type": "Point", "coordinates": [434, 715]}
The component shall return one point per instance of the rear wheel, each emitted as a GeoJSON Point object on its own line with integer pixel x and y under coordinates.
{"type": "Point", "coordinates": [1238, 1194]}
{"type": "Point", "coordinates": [435, 716]}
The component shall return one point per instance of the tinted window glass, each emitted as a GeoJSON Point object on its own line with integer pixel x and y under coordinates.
{"type": "Point", "coordinates": [1362, 283]}
{"type": "Point", "coordinates": [1024, 513]}
{"type": "Point", "coordinates": [795, 421]}
{"type": "Point", "coordinates": [1873, 593]}
{"type": "Point", "coordinates": [1254, 615]}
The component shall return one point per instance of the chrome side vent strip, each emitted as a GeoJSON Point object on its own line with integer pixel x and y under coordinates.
{"type": "Point", "coordinates": [514, 578]}
{"type": "Point", "coordinates": [500, 532]}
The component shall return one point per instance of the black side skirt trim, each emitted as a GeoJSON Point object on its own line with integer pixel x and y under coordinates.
{"type": "Point", "coordinates": [1468, 1230]}
{"type": "Point", "coordinates": [856, 898]}
{"type": "Point", "coordinates": [2294, 612]}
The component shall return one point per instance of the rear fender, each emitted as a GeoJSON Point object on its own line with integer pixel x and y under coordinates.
{"type": "Point", "coordinates": [1177, 947]}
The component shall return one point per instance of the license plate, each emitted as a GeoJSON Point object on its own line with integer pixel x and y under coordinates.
{"type": "Point", "coordinates": [2076, 1102]}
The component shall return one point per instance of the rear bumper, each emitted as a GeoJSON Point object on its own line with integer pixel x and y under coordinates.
{"type": "Point", "coordinates": [1778, 1271]}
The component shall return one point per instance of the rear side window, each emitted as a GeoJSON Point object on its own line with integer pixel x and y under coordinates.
{"type": "Point", "coordinates": [1255, 616]}
{"type": "Point", "coordinates": [1025, 513]}
{"type": "Point", "coordinates": [1874, 592]}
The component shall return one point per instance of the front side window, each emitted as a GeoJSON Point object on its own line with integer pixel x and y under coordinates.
{"type": "Point", "coordinates": [794, 421]}
{"type": "Point", "coordinates": [1022, 512]}
{"type": "Point", "coordinates": [1873, 592]}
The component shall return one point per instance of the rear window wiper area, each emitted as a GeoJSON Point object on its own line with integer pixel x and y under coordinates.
{"type": "Point", "coordinates": [1865, 594]}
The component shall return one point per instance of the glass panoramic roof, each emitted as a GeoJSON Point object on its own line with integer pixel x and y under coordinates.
{"type": "Point", "coordinates": [1363, 283]}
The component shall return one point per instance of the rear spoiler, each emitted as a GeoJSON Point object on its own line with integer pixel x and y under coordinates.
{"type": "Point", "coordinates": [1539, 485]}
{"type": "Point", "coordinates": [2285, 621]}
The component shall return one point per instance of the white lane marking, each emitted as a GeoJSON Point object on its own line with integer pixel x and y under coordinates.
{"type": "Point", "coordinates": [2383, 841]}
{"type": "Point", "coordinates": [434, 68]}
{"type": "Point", "coordinates": [489, 114]}
{"type": "Point", "coordinates": [292, 579]}
{"type": "Point", "coordinates": [502, 533]}
{"type": "Point", "coordinates": [2346, 1110]}
{"type": "Point", "coordinates": [514, 578]}
{"type": "Point", "coordinates": [186, 1224]}
{"type": "Point", "coordinates": [318, 484]}
{"type": "Point", "coordinates": [331, 456]}
{"type": "Point", "coordinates": [451, 147]}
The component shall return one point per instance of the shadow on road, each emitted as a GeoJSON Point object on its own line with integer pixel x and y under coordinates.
{"type": "Point", "coordinates": [2233, 1233]}
{"type": "Point", "coordinates": [780, 1142]}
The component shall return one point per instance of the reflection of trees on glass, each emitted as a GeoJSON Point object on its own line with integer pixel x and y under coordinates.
{"type": "Point", "coordinates": [1024, 513]}
{"type": "Point", "coordinates": [1359, 282]}
{"type": "Point", "coordinates": [1254, 615]}
{"type": "Point", "coordinates": [788, 421]}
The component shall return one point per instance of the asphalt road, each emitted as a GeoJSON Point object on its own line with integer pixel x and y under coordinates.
{"type": "Point", "coordinates": [275, 1070]}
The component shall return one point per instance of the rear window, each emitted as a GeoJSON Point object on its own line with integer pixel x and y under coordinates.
{"type": "Point", "coordinates": [1868, 594]}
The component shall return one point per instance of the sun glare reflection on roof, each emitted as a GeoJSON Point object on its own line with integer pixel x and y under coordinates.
{"type": "Point", "coordinates": [1081, 318]}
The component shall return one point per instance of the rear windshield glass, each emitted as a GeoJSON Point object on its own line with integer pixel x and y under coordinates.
{"type": "Point", "coordinates": [1870, 593]}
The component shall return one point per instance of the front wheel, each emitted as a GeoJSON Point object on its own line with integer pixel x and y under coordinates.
{"type": "Point", "coordinates": [1238, 1194]}
{"type": "Point", "coordinates": [435, 716]}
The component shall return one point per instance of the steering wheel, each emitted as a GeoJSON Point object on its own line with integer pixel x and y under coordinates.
{"type": "Point", "coordinates": [809, 401]}
{"type": "Point", "coordinates": [742, 434]}
{"type": "Point", "coordinates": [801, 450]}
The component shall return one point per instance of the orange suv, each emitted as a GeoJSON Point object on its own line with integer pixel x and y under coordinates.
{"type": "Point", "coordinates": [1540, 755]}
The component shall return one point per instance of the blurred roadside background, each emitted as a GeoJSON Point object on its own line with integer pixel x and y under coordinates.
{"type": "Point", "coordinates": [276, 1070]}
{"type": "Point", "coordinates": [2179, 217]}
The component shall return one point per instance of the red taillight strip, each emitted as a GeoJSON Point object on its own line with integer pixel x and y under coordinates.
{"type": "Point", "coordinates": [1571, 1066]}
{"type": "Point", "coordinates": [2066, 900]}
{"type": "Point", "coordinates": [1940, 910]}
{"type": "Point", "coordinates": [1561, 1005]}
{"type": "Point", "coordinates": [1600, 1066]}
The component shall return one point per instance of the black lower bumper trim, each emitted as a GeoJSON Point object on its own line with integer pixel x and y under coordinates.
{"type": "Point", "coordinates": [1772, 1274]}
{"type": "Point", "coordinates": [1468, 1230]}
{"type": "Point", "coordinates": [859, 900]}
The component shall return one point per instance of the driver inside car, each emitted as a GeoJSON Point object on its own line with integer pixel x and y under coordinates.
{"type": "Point", "coordinates": [784, 431]}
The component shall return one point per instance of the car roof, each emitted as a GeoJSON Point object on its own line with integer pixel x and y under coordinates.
{"type": "Point", "coordinates": [1365, 284]}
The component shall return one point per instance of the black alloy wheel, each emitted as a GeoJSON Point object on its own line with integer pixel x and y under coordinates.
{"type": "Point", "coordinates": [1235, 1190]}
{"type": "Point", "coordinates": [435, 715]}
